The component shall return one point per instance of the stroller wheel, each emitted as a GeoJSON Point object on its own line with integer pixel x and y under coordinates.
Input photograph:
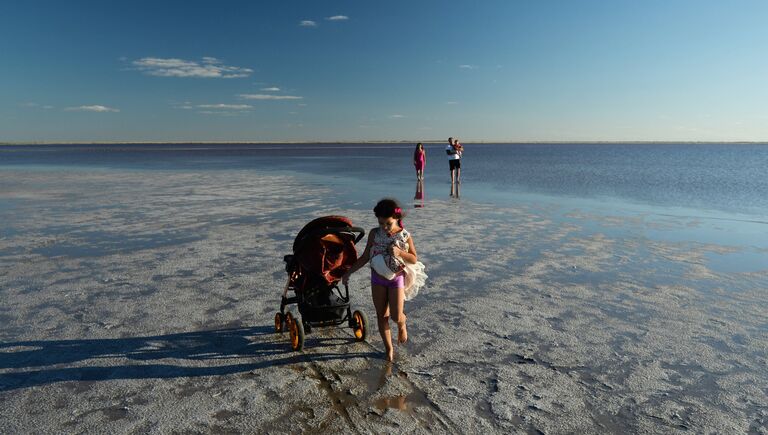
{"type": "Point", "coordinates": [279, 322]}
{"type": "Point", "coordinates": [296, 330]}
{"type": "Point", "coordinates": [360, 326]}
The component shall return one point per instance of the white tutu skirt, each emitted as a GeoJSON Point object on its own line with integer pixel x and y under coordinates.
{"type": "Point", "coordinates": [415, 278]}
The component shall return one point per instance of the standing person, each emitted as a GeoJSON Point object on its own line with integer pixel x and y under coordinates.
{"type": "Point", "coordinates": [460, 151]}
{"type": "Point", "coordinates": [454, 163]}
{"type": "Point", "coordinates": [419, 161]}
{"type": "Point", "coordinates": [392, 253]}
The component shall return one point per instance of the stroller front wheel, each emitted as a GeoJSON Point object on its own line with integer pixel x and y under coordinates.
{"type": "Point", "coordinates": [360, 326]}
{"type": "Point", "coordinates": [296, 330]}
{"type": "Point", "coordinates": [279, 321]}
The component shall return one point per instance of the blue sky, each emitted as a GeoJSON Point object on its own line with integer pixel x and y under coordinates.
{"type": "Point", "coordinates": [491, 70]}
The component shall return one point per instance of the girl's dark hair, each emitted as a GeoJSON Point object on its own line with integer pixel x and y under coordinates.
{"type": "Point", "coordinates": [389, 207]}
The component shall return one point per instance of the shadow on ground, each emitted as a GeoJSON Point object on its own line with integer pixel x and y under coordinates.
{"type": "Point", "coordinates": [257, 347]}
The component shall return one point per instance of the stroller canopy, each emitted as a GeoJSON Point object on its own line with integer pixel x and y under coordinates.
{"type": "Point", "coordinates": [325, 248]}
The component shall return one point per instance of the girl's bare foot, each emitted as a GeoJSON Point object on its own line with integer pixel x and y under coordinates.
{"type": "Point", "coordinates": [402, 333]}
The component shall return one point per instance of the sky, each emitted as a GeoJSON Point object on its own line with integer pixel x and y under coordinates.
{"type": "Point", "coordinates": [491, 70]}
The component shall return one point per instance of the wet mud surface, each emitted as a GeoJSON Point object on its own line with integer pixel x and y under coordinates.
{"type": "Point", "coordinates": [143, 302]}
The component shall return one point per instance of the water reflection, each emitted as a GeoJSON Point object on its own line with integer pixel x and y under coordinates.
{"type": "Point", "coordinates": [418, 197]}
{"type": "Point", "coordinates": [455, 187]}
{"type": "Point", "coordinates": [396, 402]}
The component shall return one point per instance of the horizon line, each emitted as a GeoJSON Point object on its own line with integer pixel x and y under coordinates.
{"type": "Point", "coordinates": [321, 142]}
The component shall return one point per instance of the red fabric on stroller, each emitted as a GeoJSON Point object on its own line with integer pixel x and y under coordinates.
{"type": "Point", "coordinates": [325, 256]}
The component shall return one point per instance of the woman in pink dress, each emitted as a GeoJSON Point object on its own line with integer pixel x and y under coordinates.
{"type": "Point", "coordinates": [419, 160]}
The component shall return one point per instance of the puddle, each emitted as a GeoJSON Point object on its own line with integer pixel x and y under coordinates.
{"type": "Point", "coordinates": [397, 402]}
{"type": "Point", "coordinates": [377, 380]}
{"type": "Point", "coordinates": [407, 402]}
{"type": "Point", "coordinates": [726, 232]}
{"type": "Point", "coordinates": [738, 262]}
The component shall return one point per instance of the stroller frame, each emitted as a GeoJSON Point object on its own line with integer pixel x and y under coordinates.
{"type": "Point", "coordinates": [319, 303]}
{"type": "Point", "coordinates": [307, 311]}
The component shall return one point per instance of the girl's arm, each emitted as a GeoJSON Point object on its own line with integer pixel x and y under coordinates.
{"type": "Point", "coordinates": [360, 260]}
{"type": "Point", "coordinates": [410, 256]}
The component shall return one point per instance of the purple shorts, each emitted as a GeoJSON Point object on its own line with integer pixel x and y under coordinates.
{"type": "Point", "coordinates": [397, 282]}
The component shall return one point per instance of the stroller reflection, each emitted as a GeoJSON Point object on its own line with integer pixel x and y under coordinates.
{"type": "Point", "coordinates": [322, 252]}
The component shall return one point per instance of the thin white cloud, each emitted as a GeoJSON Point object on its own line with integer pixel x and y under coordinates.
{"type": "Point", "coordinates": [94, 108]}
{"type": "Point", "coordinates": [182, 105]}
{"type": "Point", "coordinates": [209, 67]}
{"type": "Point", "coordinates": [225, 106]}
{"type": "Point", "coordinates": [223, 112]}
{"type": "Point", "coordinates": [269, 97]}
{"type": "Point", "coordinates": [452, 102]}
{"type": "Point", "coordinates": [302, 104]}
{"type": "Point", "coordinates": [338, 18]}
{"type": "Point", "coordinates": [271, 89]}
{"type": "Point", "coordinates": [467, 66]}
{"type": "Point", "coordinates": [396, 116]}
{"type": "Point", "coordinates": [307, 23]}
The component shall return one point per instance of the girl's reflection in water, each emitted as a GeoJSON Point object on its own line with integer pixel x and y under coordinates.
{"type": "Point", "coordinates": [418, 198]}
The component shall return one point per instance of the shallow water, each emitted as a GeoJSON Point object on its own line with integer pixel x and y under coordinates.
{"type": "Point", "coordinates": [728, 178]}
{"type": "Point", "coordinates": [685, 193]}
{"type": "Point", "coordinates": [705, 193]}
{"type": "Point", "coordinates": [545, 312]}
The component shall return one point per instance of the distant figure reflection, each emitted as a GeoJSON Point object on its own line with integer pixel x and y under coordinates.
{"type": "Point", "coordinates": [418, 198]}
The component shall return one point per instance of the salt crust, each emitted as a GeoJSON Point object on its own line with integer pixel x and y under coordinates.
{"type": "Point", "coordinates": [143, 301]}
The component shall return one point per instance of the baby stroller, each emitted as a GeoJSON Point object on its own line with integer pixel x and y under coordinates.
{"type": "Point", "coordinates": [323, 251]}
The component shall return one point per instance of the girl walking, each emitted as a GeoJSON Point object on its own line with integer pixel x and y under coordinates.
{"type": "Point", "coordinates": [394, 269]}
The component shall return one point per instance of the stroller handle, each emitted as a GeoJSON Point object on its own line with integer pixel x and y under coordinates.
{"type": "Point", "coordinates": [359, 232]}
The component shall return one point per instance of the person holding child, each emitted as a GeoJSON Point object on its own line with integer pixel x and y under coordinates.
{"type": "Point", "coordinates": [459, 148]}
{"type": "Point", "coordinates": [454, 150]}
